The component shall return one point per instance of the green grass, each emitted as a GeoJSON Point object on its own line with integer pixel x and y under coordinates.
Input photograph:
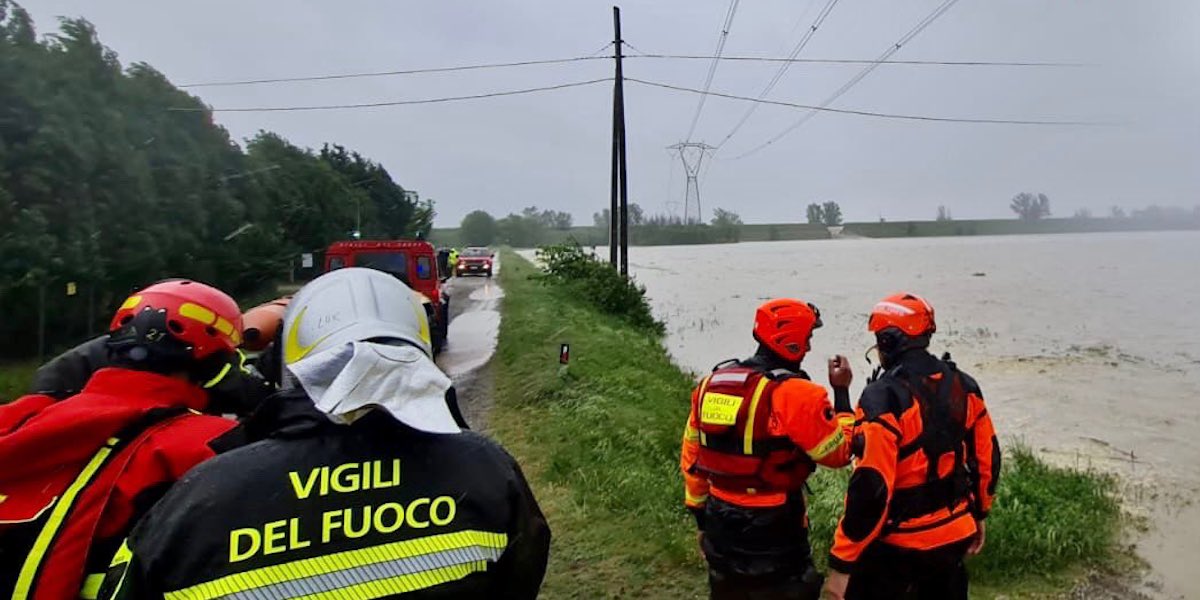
{"type": "Point", "coordinates": [15, 378]}
{"type": "Point", "coordinates": [599, 441]}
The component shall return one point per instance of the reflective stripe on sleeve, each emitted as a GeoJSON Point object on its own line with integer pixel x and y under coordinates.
{"type": "Point", "coordinates": [33, 562]}
{"type": "Point", "coordinates": [827, 445]}
{"type": "Point", "coordinates": [372, 572]}
{"type": "Point", "coordinates": [694, 500]}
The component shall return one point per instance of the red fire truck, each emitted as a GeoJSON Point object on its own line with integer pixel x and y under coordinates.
{"type": "Point", "coordinates": [413, 262]}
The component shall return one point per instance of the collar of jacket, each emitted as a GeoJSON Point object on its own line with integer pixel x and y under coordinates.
{"type": "Point", "coordinates": [768, 361]}
{"type": "Point", "coordinates": [920, 362]}
{"type": "Point", "coordinates": [144, 388]}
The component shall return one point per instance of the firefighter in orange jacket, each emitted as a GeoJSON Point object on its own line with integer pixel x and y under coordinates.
{"type": "Point", "coordinates": [928, 464]}
{"type": "Point", "coordinates": [757, 429]}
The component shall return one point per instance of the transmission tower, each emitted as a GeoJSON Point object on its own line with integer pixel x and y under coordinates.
{"type": "Point", "coordinates": [691, 154]}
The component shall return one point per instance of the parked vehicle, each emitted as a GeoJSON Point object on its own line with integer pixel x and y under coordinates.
{"type": "Point", "coordinates": [412, 261]}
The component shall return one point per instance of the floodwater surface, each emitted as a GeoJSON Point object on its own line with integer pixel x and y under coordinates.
{"type": "Point", "coordinates": [1086, 346]}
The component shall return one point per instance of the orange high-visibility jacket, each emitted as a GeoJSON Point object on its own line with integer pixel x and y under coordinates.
{"type": "Point", "coordinates": [924, 474]}
{"type": "Point", "coordinates": [799, 412]}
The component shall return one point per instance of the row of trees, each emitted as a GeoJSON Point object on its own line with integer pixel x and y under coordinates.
{"type": "Point", "coordinates": [112, 178]}
{"type": "Point", "coordinates": [828, 214]}
{"type": "Point", "coordinates": [535, 227]}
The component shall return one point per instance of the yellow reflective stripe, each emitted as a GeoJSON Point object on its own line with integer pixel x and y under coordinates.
{"type": "Point", "coordinates": [219, 376]}
{"type": "Point", "coordinates": [699, 400]}
{"type": "Point", "coordinates": [196, 312]}
{"type": "Point", "coordinates": [403, 583]}
{"type": "Point", "coordinates": [748, 440]}
{"type": "Point", "coordinates": [33, 562]}
{"type": "Point", "coordinates": [831, 443]}
{"type": "Point", "coordinates": [846, 419]}
{"type": "Point", "coordinates": [91, 586]}
{"type": "Point", "coordinates": [690, 434]}
{"type": "Point", "coordinates": [692, 500]}
{"type": "Point", "coordinates": [123, 555]}
{"type": "Point", "coordinates": [341, 561]}
{"type": "Point", "coordinates": [130, 302]}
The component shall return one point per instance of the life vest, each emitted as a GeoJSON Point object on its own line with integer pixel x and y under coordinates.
{"type": "Point", "coordinates": [943, 403]}
{"type": "Point", "coordinates": [737, 450]}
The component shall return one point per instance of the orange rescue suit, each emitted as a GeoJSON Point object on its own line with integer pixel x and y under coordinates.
{"type": "Point", "coordinates": [754, 436]}
{"type": "Point", "coordinates": [928, 462]}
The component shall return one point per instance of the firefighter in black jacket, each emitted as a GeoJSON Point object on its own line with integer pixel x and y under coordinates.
{"type": "Point", "coordinates": [357, 481]}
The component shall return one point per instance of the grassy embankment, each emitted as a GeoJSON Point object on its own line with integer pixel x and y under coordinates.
{"type": "Point", "coordinates": [599, 441]}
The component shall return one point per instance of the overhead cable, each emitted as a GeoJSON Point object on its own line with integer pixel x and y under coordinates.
{"type": "Point", "coordinates": [397, 102]}
{"type": "Point", "coordinates": [865, 113]}
{"type": "Point", "coordinates": [712, 69]}
{"type": "Point", "coordinates": [783, 68]}
{"type": "Point", "coordinates": [895, 47]}
{"type": "Point", "coordinates": [862, 61]}
{"type": "Point", "coordinates": [525, 63]}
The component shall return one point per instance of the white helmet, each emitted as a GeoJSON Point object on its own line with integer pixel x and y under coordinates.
{"type": "Point", "coordinates": [352, 305]}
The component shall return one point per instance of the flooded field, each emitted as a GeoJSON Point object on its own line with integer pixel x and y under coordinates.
{"type": "Point", "coordinates": [1087, 347]}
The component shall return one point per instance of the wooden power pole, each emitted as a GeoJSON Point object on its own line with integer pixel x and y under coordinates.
{"type": "Point", "coordinates": [618, 215]}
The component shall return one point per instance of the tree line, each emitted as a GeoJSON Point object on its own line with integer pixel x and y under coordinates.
{"type": "Point", "coordinates": [535, 227]}
{"type": "Point", "coordinates": [112, 178]}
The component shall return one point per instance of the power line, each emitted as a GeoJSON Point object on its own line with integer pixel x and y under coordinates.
{"type": "Point", "coordinates": [525, 63]}
{"type": "Point", "coordinates": [865, 113]}
{"type": "Point", "coordinates": [712, 69]}
{"type": "Point", "coordinates": [397, 102]}
{"type": "Point", "coordinates": [862, 61]}
{"type": "Point", "coordinates": [887, 54]}
{"type": "Point", "coordinates": [783, 68]}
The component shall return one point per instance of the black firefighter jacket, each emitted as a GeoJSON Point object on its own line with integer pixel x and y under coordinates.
{"type": "Point", "coordinates": [370, 510]}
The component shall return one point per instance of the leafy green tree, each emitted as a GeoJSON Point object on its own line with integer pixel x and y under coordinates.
{"type": "Point", "coordinates": [478, 228]}
{"type": "Point", "coordinates": [112, 178]}
{"type": "Point", "coordinates": [727, 225]}
{"type": "Point", "coordinates": [831, 214]}
{"type": "Point", "coordinates": [1030, 207]}
{"type": "Point", "coordinates": [815, 214]}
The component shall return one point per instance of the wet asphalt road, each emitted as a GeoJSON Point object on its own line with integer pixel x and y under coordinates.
{"type": "Point", "coordinates": [471, 342]}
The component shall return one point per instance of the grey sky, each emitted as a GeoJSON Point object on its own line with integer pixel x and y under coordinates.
{"type": "Point", "coordinates": [552, 149]}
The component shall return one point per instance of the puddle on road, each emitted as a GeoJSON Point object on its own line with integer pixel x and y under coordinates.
{"type": "Point", "coordinates": [471, 342]}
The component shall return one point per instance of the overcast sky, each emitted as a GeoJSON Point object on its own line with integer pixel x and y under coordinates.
{"type": "Point", "coordinates": [552, 149]}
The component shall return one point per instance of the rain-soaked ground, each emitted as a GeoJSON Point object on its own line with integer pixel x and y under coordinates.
{"type": "Point", "coordinates": [474, 325]}
{"type": "Point", "coordinates": [1085, 345]}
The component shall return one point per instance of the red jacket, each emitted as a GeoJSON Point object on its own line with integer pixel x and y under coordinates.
{"type": "Point", "coordinates": [44, 446]}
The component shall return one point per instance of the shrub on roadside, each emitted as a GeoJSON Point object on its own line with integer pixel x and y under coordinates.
{"type": "Point", "coordinates": [598, 283]}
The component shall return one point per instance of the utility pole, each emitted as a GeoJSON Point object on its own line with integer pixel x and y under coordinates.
{"type": "Point", "coordinates": [619, 201]}
{"type": "Point", "coordinates": [691, 154]}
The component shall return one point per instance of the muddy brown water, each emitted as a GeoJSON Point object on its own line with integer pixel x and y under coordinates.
{"type": "Point", "coordinates": [1087, 347]}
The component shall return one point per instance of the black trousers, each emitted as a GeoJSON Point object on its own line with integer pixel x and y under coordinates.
{"type": "Point", "coordinates": [759, 553]}
{"type": "Point", "coordinates": [804, 586]}
{"type": "Point", "coordinates": [887, 572]}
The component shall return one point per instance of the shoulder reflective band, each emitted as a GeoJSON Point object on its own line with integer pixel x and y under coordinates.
{"type": "Point", "coordinates": [373, 572]}
{"type": "Point", "coordinates": [748, 442]}
{"type": "Point", "coordinates": [41, 545]}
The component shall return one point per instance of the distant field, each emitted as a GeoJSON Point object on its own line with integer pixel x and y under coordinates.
{"type": "Point", "coordinates": [761, 232]}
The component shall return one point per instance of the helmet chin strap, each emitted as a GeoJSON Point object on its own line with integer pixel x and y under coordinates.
{"type": "Point", "coordinates": [878, 370]}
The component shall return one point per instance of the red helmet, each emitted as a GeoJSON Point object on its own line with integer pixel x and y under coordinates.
{"type": "Point", "coordinates": [785, 325]}
{"type": "Point", "coordinates": [202, 319]}
{"type": "Point", "coordinates": [909, 313]}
